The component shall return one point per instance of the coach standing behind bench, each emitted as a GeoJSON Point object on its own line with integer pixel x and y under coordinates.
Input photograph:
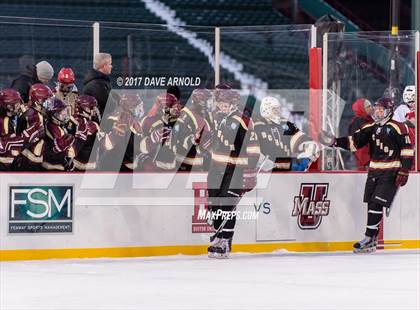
{"type": "Point", "coordinates": [97, 83]}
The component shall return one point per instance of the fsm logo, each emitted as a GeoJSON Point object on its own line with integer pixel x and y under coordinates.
{"type": "Point", "coordinates": [40, 209]}
{"type": "Point", "coordinates": [311, 205]}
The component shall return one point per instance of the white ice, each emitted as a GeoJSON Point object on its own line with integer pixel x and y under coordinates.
{"type": "Point", "coordinates": [385, 280]}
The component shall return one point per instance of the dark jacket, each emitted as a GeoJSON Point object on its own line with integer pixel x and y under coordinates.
{"type": "Point", "coordinates": [98, 85]}
{"type": "Point", "coordinates": [24, 82]}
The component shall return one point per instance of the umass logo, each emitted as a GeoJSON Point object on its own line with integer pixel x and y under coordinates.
{"type": "Point", "coordinates": [311, 205]}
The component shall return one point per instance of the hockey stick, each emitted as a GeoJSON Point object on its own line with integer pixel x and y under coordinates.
{"type": "Point", "coordinates": [223, 224]}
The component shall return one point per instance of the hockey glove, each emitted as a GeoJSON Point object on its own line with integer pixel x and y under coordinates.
{"type": "Point", "coordinates": [310, 150]}
{"type": "Point", "coordinates": [301, 164]}
{"type": "Point", "coordinates": [402, 177]}
{"type": "Point", "coordinates": [250, 179]}
{"type": "Point", "coordinates": [85, 129]}
{"type": "Point", "coordinates": [327, 138]}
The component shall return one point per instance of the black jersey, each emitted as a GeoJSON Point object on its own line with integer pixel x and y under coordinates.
{"type": "Point", "coordinates": [389, 144]}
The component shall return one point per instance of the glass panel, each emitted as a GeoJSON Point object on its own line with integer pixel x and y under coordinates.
{"type": "Point", "coordinates": [366, 65]}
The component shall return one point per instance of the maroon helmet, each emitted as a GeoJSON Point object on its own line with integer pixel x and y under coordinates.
{"type": "Point", "coordinates": [169, 104]}
{"type": "Point", "coordinates": [86, 106]}
{"type": "Point", "coordinates": [131, 102]}
{"type": "Point", "coordinates": [38, 94]}
{"type": "Point", "coordinates": [382, 109]}
{"type": "Point", "coordinates": [58, 110]}
{"type": "Point", "coordinates": [223, 86]}
{"type": "Point", "coordinates": [10, 100]}
{"type": "Point", "coordinates": [200, 97]}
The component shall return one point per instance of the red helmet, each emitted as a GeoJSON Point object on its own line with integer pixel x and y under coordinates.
{"type": "Point", "coordinates": [38, 93]}
{"type": "Point", "coordinates": [66, 75]}
{"type": "Point", "coordinates": [85, 105]}
{"type": "Point", "coordinates": [55, 105]}
{"type": "Point", "coordinates": [9, 100]}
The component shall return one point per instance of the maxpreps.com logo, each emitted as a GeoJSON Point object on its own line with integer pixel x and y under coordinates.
{"type": "Point", "coordinates": [40, 209]}
{"type": "Point", "coordinates": [311, 205]}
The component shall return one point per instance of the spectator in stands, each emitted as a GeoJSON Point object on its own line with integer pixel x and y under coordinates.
{"type": "Point", "coordinates": [97, 82]}
{"type": "Point", "coordinates": [362, 109]}
{"type": "Point", "coordinates": [42, 72]}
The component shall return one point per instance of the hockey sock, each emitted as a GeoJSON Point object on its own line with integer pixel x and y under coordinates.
{"type": "Point", "coordinates": [374, 218]}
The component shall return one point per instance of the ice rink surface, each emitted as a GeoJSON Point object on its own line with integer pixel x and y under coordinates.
{"type": "Point", "coordinates": [383, 280]}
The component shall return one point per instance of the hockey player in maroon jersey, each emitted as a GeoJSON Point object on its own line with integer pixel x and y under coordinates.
{"type": "Point", "coordinates": [192, 133]}
{"type": "Point", "coordinates": [58, 143]}
{"type": "Point", "coordinates": [123, 138]}
{"type": "Point", "coordinates": [156, 146]}
{"type": "Point", "coordinates": [234, 155]}
{"type": "Point", "coordinates": [33, 114]}
{"type": "Point", "coordinates": [286, 147]}
{"type": "Point", "coordinates": [85, 130]}
{"type": "Point", "coordinates": [12, 144]}
{"type": "Point", "coordinates": [391, 158]}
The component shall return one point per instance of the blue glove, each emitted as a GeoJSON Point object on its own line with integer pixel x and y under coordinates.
{"type": "Point", "coordinates": [300, 164]}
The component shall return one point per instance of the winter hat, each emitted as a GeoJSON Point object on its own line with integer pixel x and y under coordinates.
{"type": "Point", "coordinates": [44, 70]}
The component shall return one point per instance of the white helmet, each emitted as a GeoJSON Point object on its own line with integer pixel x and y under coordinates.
{"type": "Point", "coordinates": [270, 109]}
{"type": "Point", "coordinates": [409, 95]}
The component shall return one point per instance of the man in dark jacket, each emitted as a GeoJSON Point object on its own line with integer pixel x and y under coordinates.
{"type": "Point", "coordinates": [42, 72]}
{"type": "Point", "coordinates": [97, 83]}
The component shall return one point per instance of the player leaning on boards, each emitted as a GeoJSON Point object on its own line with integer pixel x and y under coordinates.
{"type": "Point", "coordinates": [391, 159]}
{"type": "Point", "coordinates": [281, 142]}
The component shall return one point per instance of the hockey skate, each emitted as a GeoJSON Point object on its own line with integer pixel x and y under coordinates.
{"type": "Point", "coordinates": [366, 245]}
{"type": "Point", "coordinates": [223, 248]}
{"type": "Point", "coordinates": [211, 250]}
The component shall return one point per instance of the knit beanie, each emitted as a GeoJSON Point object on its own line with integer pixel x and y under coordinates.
{"type": "Point", "coordinates": [44, 70]}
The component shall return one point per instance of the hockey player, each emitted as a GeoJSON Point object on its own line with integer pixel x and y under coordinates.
{"type": "Point", "coordinates": [191, 133]}
{"type": "Point", "coordinates": [234, 155]}
{"type": "Point", "coordinates": [12, 144]}
{"type": "Point", "coordinates": [124, 137]}
{"type": "Point", "coordinates": [284, 144]}
{"type": "Point", "coordinates": [66, 90]}
{"type": "Point", "coordinates": [391, 158]}
{"type": "Point", "coordinates": [33, 114]}
{"type": "Point", "coordinates": [405, 112]}
{"type": "Point", "coordinates": [58, 144]}
{"type": "Point", "coordinates": [156, 146]}
{"type": "Point", "coordinates": [85, 130]}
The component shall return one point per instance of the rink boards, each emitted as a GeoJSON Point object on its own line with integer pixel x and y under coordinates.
{"type": "Point", "coordinates": [110, 215]}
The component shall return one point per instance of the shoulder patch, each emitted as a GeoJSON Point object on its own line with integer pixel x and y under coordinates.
{"type": "Point", "coordinates": [241, 121]}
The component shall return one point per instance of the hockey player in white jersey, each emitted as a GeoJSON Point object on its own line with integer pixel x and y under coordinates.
{"type": "Point", "coordinates": [405, 111]}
